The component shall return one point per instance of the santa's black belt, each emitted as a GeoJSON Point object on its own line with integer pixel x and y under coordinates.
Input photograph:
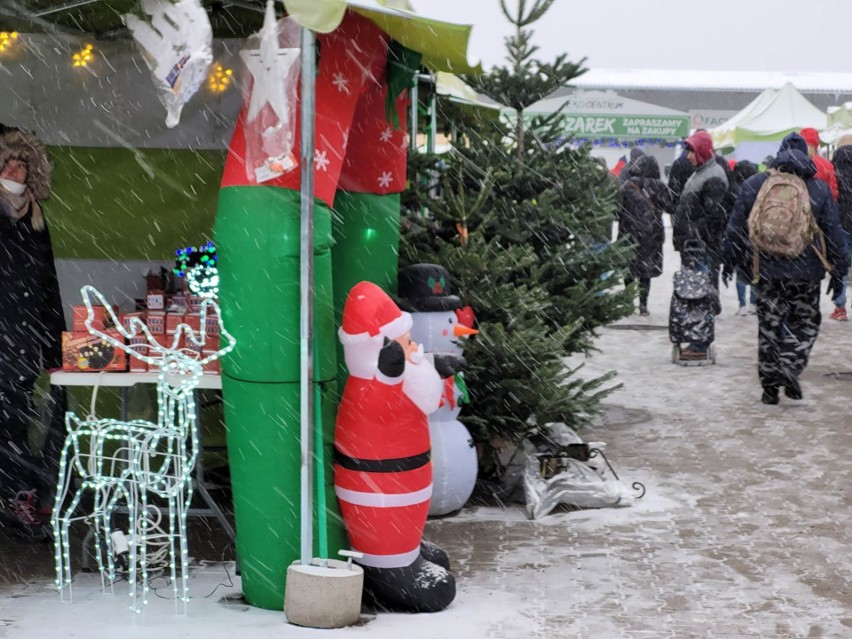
{"type": "Point", "coordinates": [398, 465]}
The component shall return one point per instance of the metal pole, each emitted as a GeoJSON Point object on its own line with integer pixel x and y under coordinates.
{"type": "Point", "coordinates": [306, 289]}
{"type": "Point", "coordinates": [433, 116]}
{"type": "Point", "coordinates": [412, 116]}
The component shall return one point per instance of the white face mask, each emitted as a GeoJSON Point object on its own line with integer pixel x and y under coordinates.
{"type": "Point", "coordinates": [15, 188]}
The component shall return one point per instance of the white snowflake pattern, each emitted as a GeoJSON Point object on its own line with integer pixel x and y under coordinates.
{"type": "Point", "coordinates": [342, 83]}
{"type": "Point", "coordinates": [385, 179]}
{"type": "Point", "coordinates": [386, 135]}
{"type": "Point", "coordinates": [321, 160]}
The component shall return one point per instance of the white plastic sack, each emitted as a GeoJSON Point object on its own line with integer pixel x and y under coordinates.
{"type": "Point", "coordinates": [177, 46]}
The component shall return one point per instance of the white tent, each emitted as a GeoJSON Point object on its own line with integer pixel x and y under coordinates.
{"type": "Point", "coordinates": [756, 131]}
{"type": "Point", "coordinates": [839, 123]}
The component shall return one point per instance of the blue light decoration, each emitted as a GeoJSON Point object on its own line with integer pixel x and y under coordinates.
{"type": "Point", "coordinates": [130, 462]}
{"type": "Point", "coordinates": [198, 264]}
{"type": "Point", "coordinates": [619, 143]}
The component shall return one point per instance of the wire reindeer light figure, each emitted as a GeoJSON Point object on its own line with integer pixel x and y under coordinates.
{"type": "Point", "coordinates": [130, 461]}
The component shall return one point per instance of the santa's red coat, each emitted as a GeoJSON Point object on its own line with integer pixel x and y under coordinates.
{"type": "Point", "coordinates": [382, 471]}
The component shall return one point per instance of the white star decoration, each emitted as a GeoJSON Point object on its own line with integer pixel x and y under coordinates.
{"type": "Point", "coordinates": [385, 179]}
{"type": "Point", "coordinates": [321, 160]}
{"type": "Point", "coordinates": [341, 83]}
{"type": "Point", "coordinates": [386, 135]}
{"type": "Point", "coordinates": [269, 65]}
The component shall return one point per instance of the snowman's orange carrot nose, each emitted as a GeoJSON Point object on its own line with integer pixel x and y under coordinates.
{"type": "Point", "coordinates": [460, 330]}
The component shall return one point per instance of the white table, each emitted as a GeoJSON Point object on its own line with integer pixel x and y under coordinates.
{"type": "Point", "coordinates": [124, 381]}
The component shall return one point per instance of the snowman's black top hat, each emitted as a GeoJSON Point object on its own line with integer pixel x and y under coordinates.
{"type": "Point", "coordinates": [426, 288]}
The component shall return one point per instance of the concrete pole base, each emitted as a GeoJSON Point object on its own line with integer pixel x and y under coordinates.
{"type": "Point", "coordinates": [324, 596]}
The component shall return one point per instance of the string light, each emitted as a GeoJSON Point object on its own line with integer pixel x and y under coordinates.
{"type": "Point", "coordinates": [220, 79]}
{"type": "Point", "coordinates": [7, 39]}
{"type": "Point", "coordinates": [198, 264]}
{"type": "Point", "coordinates": [83, 56]}
{"type": "Point", "coordinates": [128, 461]}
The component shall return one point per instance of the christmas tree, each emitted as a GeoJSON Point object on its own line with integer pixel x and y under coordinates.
{"type": "Point", "coordinates": [522, 220]}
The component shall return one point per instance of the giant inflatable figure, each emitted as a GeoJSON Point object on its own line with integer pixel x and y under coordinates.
{"type": "Point", "coordinates": [382, 470]}
{"type": "Point", "coordinates": [359, 166]}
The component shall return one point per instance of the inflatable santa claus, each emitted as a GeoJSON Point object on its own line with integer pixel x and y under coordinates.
{"type": "Point", "coordinates": [382, 467]}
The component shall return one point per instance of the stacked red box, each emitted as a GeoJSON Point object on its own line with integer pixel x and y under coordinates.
{"type": "Point", "coordinates": [173, 320]}
{"type": "Point", "coordinates": [140, 344]}
{"type": "Point", "coordinates": [126, 317]}
{"type": "Point", "coordinates": [79, 315]}
{"type": "Point", "coordinates": [156, 321]}
{"type": "Point", "coordinates": [213, 367]}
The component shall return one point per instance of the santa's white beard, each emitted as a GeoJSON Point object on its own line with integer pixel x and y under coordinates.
{"type": "Point", "coordinates": [422, 385]}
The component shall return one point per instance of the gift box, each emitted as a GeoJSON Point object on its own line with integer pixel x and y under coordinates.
{"type": "Point", "coordinates": [79, 315]}
{"type": "Point", "coordinates": [140, 345]}
{"type": "Point", "coordinates": [82, 351]}
{"type": "Point", "coordinates": [213, 367]}
{"type": "Point", "coordinates": [173, 320]}
{"type": "Point", "coordinates": [126, 317]}
{"type": "Point", "coordinates": [156, 321]}
{"type": "Point", "coordinates": [211, 322]}
{"type": "Point", "coordinates": [156, 300]}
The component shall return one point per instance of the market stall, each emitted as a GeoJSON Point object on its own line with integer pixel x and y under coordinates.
{"type": "Point", "coordinates": [613, 124]}
{"type": "Point", "coordinates": [757, 130]}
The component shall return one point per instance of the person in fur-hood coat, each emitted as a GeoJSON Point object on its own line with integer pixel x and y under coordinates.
{"type": "Point", "coordinates": [31, 317]}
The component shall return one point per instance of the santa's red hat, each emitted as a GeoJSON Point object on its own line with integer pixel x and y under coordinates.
{"type": "Point", "coordinates": [370, 313]}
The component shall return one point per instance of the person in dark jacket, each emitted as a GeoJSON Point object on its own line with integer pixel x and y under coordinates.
{"type": "Point", "coordinates": [702, 210]}
{"type": "Point", "coordinates": [788, 290]}
{"type": "Point", "coordinates": [31, 318]}
{"type": "Point", "coordinates": [644, 198]}
{"type": "Point", "coordinates": [635, 154]}
{"type": "Point", "coordinates": [842, 161]}
{"type": "Point", "coordinates": [740, 173]}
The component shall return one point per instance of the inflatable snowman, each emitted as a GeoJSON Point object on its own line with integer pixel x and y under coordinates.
{"type": "Point", "coordinates": [439, 322]}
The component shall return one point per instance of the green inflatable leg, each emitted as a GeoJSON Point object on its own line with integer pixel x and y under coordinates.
{"type": "Point", "coordinates": [257, 237]}
{"type": "Point", "coordinates": [366, 247]}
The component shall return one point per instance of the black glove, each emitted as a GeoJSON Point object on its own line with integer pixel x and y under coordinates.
{"type": "Point", "coordinates": [835, 285]}
{"type": "Point", "coordinates": [448, 364]}
{"type": "Point", "coordinates": [391, 359]}
{"type": "Point", "coordinates": [727, 275]}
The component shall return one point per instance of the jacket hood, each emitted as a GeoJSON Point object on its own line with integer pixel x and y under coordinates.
{"type": "Point", "coordinates": [702, 145]}
{"type": "Point", "coordinates": [20, 145]}
{"type": "Point", "coordinates": [645, 166]}
{"type": "Point", "coordinates": [743, 170]}
{"type": "Point", "coordinates": [793, 157]}
{"type": "Point", "coordinates": [843, 157]}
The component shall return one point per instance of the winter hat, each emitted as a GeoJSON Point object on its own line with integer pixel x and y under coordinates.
{"type": "Point", "coordinates": [16, 144]}
{"type": "Point", "coordinates": [702, 145]}
{"type": "Point", "coordinates": [426, 288]}
{"type": "Point", "coordinates": [369, 314]}
{"type": "Point", "coordinates": [846, 140]}
{"type": "Point", "coordinates": [810, 135]}
{"type": "Point", "coordinates": [635, 153]}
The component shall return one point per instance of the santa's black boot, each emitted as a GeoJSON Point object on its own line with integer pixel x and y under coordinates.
{"type": "Point", "coordinates": [435, 554]}
{"type": "Point", "coordinates": [419, 587]}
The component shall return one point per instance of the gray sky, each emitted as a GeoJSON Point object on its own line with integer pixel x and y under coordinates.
{"type": "Point", "coordinates": [731, 35]}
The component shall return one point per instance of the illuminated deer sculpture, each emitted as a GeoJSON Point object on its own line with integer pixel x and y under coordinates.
{"type": "Point", "coordinates": [135, 461]}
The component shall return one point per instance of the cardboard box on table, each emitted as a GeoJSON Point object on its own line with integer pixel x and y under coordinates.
{"type": "Point", "coordinates": [82, 351]}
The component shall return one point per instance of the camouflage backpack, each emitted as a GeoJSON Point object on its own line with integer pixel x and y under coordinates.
{"type": "Point", "coordinates": [781, 222]}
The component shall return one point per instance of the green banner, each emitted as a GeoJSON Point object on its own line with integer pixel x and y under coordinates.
{"type": "Point", "coordinates": [673, 127]}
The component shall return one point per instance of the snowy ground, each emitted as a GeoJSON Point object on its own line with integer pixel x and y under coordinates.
{"type": "Point", "coordinates": [744, 531]}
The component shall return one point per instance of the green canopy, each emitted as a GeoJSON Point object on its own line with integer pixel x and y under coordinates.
{"type": "Point", "coordinates": [443, 44]}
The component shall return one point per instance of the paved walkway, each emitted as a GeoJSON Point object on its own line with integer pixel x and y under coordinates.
{"type": "Point", "coordinates": [744, 531]}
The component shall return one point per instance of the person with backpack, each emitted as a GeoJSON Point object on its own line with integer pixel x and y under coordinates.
{"type": "Point", "coordinates": [785, 229]}
{"type": "Point", "coordinates": [644, 199]}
